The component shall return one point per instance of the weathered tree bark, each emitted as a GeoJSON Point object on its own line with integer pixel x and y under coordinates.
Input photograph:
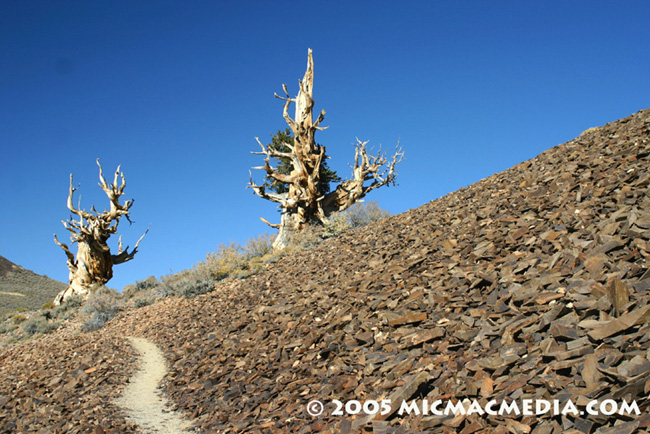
{"type": "Point", "coordinates": [94, 262]}
{"type": "Point", "coordinates": [302, 203]}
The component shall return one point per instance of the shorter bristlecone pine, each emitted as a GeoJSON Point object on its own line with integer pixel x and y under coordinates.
{"type": "Point", "coordinates": [93, 265]}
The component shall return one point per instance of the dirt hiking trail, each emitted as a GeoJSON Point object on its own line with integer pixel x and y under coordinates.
{"type": "Point", "coordinates": [143, 402]}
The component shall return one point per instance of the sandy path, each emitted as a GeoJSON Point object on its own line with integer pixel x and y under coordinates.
{"type": "Point", "coordinates": [12, 293]}
{"type": "Point", "coordinates": [143, 401]}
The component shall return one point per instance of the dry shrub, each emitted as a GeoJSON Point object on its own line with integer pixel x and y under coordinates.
{"type": "Point", "coordinates": [228, 260]}
{"type": "Point", "coordinates": [38, 325]}
{"type": "Point", "coordinates": [259, 246]}
{"type": "Point", "coordinates": [101, 306]}
{"type": "Point", "coordinates": [311, 235]}
{"type": "Point", "coordinates": [358, 215]}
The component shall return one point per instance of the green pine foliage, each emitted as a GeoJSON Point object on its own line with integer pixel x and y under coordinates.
{"type": "Point", "coordinates": [285, 166]}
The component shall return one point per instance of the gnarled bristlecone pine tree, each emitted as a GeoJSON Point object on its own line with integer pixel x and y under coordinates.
{"type": "Point", "coordinates": [303, 202]}
{"type": "Point", "coordinates": [93, 265]}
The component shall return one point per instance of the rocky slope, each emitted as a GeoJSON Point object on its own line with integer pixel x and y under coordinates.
{"type": "Point", "coordinates": [530, 284]}
{"type": "Point", "coordinates": [20, 288]}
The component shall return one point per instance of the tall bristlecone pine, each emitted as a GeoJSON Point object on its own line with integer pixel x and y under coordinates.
{"type": "Point", "coordinates": [93, 265]}
{"type": "Point", "coordinates": [303, 202]}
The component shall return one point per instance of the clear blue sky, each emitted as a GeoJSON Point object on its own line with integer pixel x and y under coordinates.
{"type": "Point", "coordinates": [176, 92]}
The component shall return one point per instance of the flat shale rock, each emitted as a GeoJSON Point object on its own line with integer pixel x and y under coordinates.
{"type": "Point", "coordinates": [64, 383]}
{"type": "Point", "coordinates": [530, 284]}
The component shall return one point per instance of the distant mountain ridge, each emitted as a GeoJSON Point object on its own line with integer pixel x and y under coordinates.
{"type": "Point", "coordinates": [21, 288]}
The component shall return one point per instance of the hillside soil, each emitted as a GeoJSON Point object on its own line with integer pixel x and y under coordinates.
{"type": "Point", "coordinates": [530, 284]}
{"type": "Point", "coordinates": [21, 288]}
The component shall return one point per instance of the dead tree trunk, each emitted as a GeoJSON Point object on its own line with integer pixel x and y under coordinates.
{"type": "Point", "coordinates": [303, 203]}
{"type": "Point", "coordinates": [94, 262]}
